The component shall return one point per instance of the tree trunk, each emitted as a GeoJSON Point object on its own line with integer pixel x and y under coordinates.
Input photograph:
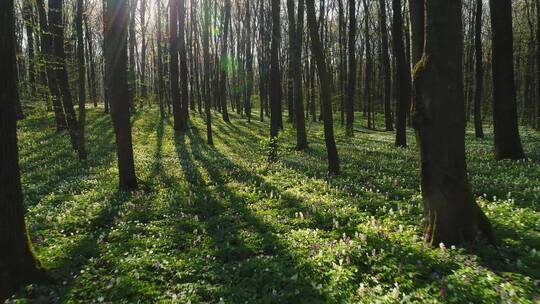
{"type": "Point", "coordinates": [451, 214]}
{"type": "Point", "coordinates": [206, 55]}
{"type": "Point", "coordinates": [81, 80]}
{"type": "Point", "coordinates": [387, 94]}
{"type": "Point", "coordinates": [47, 50]}
{"type": "Point", "coordinates": [224, 66]}
{"type": "Point", "coordinates": [18, 265]}
{"type": "Point", "coordinates": [351, 88]}
{"type": "Point", "coordinates": [132, 42]}
{"type": "Point", "coordinates": [184, 73]}
{"type": "Point", "coordinates": [295, 40]}
{"type": "Point", "coordinates": [144, 88]}
{"type": "Point", "coordinates": [179, 122]}
{"type": "Point", "coordinates": [316, 47]}
{"type": "Point", "coordinates": [117, 65]}
{"type": "Point", "coordinates": [57, 29]}
{"type": "Point", "coordinates": [249, 64]}
{"type": "Point", "coordinates": [161, 82]}
{"type": "Point", "coordinates": [275, 77]}
{"type": "Point", "coordinates": [505, 124]}
{"type": "Point", "coordinates": [479, 71]}
{"type": "Point", "coordinates": [403, 79]}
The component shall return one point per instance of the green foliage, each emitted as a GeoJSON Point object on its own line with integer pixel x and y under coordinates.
{"type": "Point", "coordinates": [222, 225]}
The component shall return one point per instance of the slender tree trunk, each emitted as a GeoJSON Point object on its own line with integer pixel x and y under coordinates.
{"type": "Point", "coordinates": [403, 76]}
{"type": "Point", "coordinates": [184, 73]}
{"type": "Point", "coordinates": [91, 62]}
{"type": "Point", "coordinates": [206, 55]}
{"type": "Point", "coordinates": [161, 81]}
{"type": "Point", "coordinates": [316, 47]}
{"type": "Point", "coordinates": [117, 65]}
{"type": "Point", "coordinates": [57, 29]}
{"type": "Point", "coordinates": [507, 139]}
{"type": "Point", "coordinates": [451, 214]}
{"type": "Point", "coordinates": [249, 63]}
{"type": "Point", "coordinates": [144, 89]}
{"type": "Point", "coordinates": [275, 79]}
{"type": "Point", "coordinates": [351, 88]}
{"type": "Point", "coordinates": [387, 86]}
{"type": "Point", "coordinates": [295, 32]}
{"type": "Point", "coordinates": [224, 67]}
{"type": "Point", "coordinates": [179, 122]}
{"type": "Point", "coordinates": [479, 71]}
{"type": "Point", "coordinates": [47, 50]}
{"type": "Point", "coordinates": [81, 81]}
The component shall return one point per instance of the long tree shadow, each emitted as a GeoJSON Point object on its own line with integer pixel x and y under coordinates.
{"type": "Point", "coordinates": [248, 249]}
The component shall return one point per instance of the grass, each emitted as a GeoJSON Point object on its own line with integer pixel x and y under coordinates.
{"type": "Point", "coordinates": [221, 225]}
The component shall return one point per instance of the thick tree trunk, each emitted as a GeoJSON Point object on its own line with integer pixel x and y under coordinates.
{"type": "Point", "coordinates": [18, 265]}
{"type": "Point", "coordinates": [387, 85]}
{"type": "Point", "coordinates": [505, 124]}
{"type": "Point", "coordinates": [351, 88]}
{"type": "Point", "coordinates": [479, 69]}
{"type": "Point", "coordinates": [451, 214]}
{"type": "Point", "coordinates": [117, 84]}
{"type": "Point", "coordinates": [537, 2]}
{"type": "Point", "coordinates": [403, 79]}
{"type": "Point", "coordinates": [316, 47]}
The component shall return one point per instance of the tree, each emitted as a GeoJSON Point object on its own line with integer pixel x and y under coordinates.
{"type": "Point", "coordinates": [57, 29]}
{"type": "Point", "coordinates": [295, 43]}
{"type": "Point", "coordinates": [351, 88]}
{"type": "Point", "coordinates": [18, 265]}
{"type": "Point", "coordinates": [184, 81]}
{"type": "Point", "coordinates": [161, 82]}
{"type": "Point", "coordinates": [385, 67]}
{"type": "Point", "coordinates": [316, 49]}
{"type": "Point", "coordinates": [206, 59]}
{"type": "Point", "coordinates": [403, 77]}
{"type": "Point", "coordinates": [81, 81]}
{"type": "Point", "coordinates": [479, 69]}
{"type": "Point", "coordinates": [224, 65]}
{"type": "Point", "coordinates": [275, 77]}
{"type": "Point", "coordinates": [451, 215]}
{"type": "Point", "coordinates": [117, 83]}
{"type": "Point", "coordinates": [249, 63]}
{"type": "Point", "coordinates": [505, 124]}
{"type": "Point", "coordinates": [179, 121]}
{"type": "Point", "coordinates": [47, 50]}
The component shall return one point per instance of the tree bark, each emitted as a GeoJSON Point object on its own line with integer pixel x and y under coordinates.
{"type": "Point", "coordinates": [117, 84]}
{"type": "Point", "coordinates": [450, 213]}
{"type": "Point", "coordinates": [403, 79]}
{"type": "Point", "coordinates": [184, 73]}
{"type": "Point", "coordinates": [275, 77]}
{"type": "Point", "coordinates": [18, 265]}
{"type": "Point", "coordinates": [179, 122]}
{"type": "Point", "coordinates": [206, 55]}
{"type": "Point", "coordinates": [387, 85]}
{"type": "Point", "coordinates": [81, 80]}
{"type": "Point", "coordinates": [316, 47]}
{"type": "Point", "coordinates": [351, 88]}
{"type": "Point", "coordinates": [224, 66]}
{"type": "Point", "coordinates": [479, 69]}
{"type": "Point", "coordinates": [57, 29]}
{"type": "Point", "coordinates": [47, 50]}
{"type": "Point", "coordinates": [505, 124]}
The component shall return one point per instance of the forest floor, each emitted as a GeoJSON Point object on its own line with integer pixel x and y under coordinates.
{"type": "Point", "coordinates": [221, 225]}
